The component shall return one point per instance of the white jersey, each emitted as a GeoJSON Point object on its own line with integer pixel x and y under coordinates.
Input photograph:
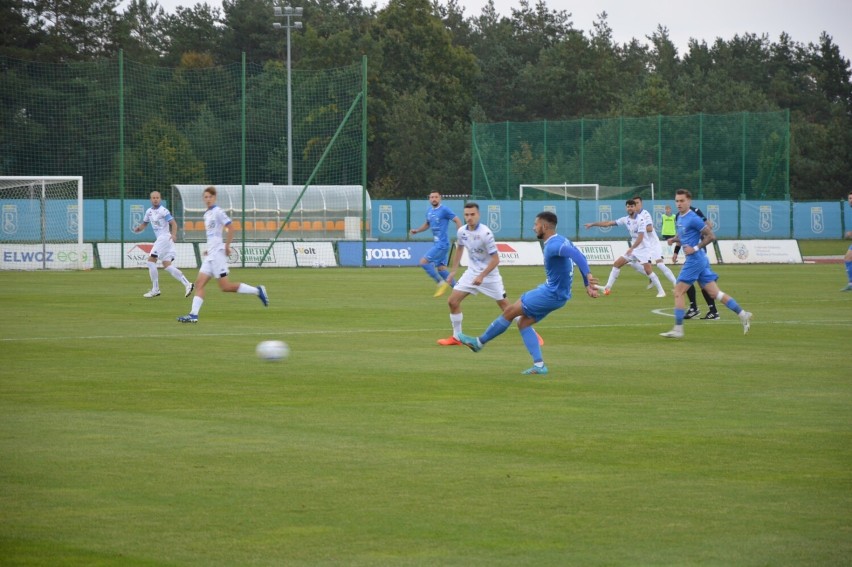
{"type": "Point", "coordinates": [159, 219]}
{"type": "Point", "coordinates": [481, 246]}
{"type": "Point", "coordinates": [629, 223]}
{"type": "Point", "coordinates": [215, 220]}
{"type": "Point", "coordinates": [650, 247]}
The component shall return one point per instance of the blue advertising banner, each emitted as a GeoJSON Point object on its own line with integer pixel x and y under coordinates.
{"type": "Point", "coordinates": [22, 220]}
{"type": "Point", "coordinates": [817, 220]}
{"type": "Point", "coordinates": [98, 226]}
{"type": "Point", "coordinates": [597, 211]}
{"type": "Point", "coordinates": [566, 217]}
{"type": "Point", "coordinates": [379, 254]}
{"type": "Point", "coordinates": [105, 221]}
{"type": "Point", "coordinates": [389, 219]}
{"type": "Point", "coordinates": [502, 217]}
{"type": "Point", "coordinates": [764, 219]}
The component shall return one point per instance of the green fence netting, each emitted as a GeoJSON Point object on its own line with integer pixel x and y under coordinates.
{"type": "Point", "coordinates": [129, 128]}
{"type": "Point", "coordinates": [732, 156]}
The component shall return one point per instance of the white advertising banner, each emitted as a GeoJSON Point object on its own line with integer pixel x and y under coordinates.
{"type": "Point", "coordinates": [760, 251]}
{"type": "Point", "coordinates": [47, 256]}
{"type": "Point", "coordinates": [282, 254]}
{"type": "Point", "coordinates": [315, 254]}
{"type": "Point", "coordinates": [603, 252]}
{"type": "Point", "coordinates": [516, 254]}
{"type": "Point", "coordinates": [136, 254]}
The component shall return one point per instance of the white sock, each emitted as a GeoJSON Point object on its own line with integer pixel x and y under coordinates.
{"type": "Point", "coordinates": [155, 277]}
{"type": "Point", "coordinates": [177, 274]}
{"type": "Point", "coordinates": [613, 275]}
{"type": "Point", "coordinates": [246, 288]}
{"type": "Point", "coordinates": [456, 321]}
{"type": "Point", "coordinates": [196, 305]}
{"type": "Point", "coordinates": [656, 281]}
{"type": "Point", "coordinates": [667, 272]}
{"type": "Point", "coordinates": [639, 268]}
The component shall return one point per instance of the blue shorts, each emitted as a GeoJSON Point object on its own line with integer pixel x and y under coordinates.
{"type": "Point", "coordinates": [697, 269]}
{"type": "Point", "coordinates": [438, 254]}
{"type": "Point", "coordinates": [538, 303]}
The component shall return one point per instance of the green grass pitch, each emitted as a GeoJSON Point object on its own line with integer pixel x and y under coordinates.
{"type": "Point", "coordinates": [127, 438]}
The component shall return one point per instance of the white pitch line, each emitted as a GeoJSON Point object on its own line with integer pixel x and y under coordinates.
{"type": "Point", "coordinates": [730, 319]}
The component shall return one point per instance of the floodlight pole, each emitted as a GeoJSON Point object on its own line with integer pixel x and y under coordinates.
{"type": "Point", "coordinates": [291, 15]}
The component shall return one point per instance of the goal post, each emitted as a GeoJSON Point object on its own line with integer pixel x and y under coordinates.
{"type": "Point", "coordinates": [42, 220]}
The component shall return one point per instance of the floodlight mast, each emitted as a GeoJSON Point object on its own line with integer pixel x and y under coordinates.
{"type": "Point", "coordinates": [291, 16]}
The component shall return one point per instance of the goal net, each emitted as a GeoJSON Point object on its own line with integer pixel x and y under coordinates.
{"type": "Point", "coordinates": [587, 191]}
{"type": "Point", "coordinates": [42, 223]}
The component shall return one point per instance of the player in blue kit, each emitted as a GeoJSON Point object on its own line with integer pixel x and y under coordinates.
{"type": "Point", "coordinates": [560, 255]}
{"type": "Point", "coordinates": [693, 234]}
{"type": "Point", "coordinates": [435, 261]}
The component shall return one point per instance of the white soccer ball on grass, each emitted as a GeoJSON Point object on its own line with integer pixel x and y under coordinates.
{"type": "Point", "coordinates": [272, 350]}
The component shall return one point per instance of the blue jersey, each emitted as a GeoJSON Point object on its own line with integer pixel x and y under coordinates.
{"type": "Point", "coordinates": [438, 219]}
{"type": "Point", "coordinates": [689, 227]}
{"type": "Point", "coordinates": [560, 254]}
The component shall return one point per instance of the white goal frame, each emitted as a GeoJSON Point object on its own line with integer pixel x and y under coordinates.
{"type": "Point", "coordinates": [564, 190]}
{"type": "Point", "coordinates": [42, 182]}
{"type": "Point", "coordinates": [575, 190]}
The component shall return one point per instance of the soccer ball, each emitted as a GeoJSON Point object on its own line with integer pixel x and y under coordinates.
{"type": "Point", "coordinates": [272, 350]}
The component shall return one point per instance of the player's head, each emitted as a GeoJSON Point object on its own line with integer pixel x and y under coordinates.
{"type": "Point", "coordinates": [545, 224]}
{"type": "Point", "coordinates": [683, 198]}
{"type": "Point", "coordinates": [668, 209]}
{"type": "Point", "coordinates": [471, 214]}
{"type": "Point", "coordinates": [630, 205]}
{"type": "Point", "coordinates": [155, 199]}
{"type": "Point", "coordinates": [209, 196]}
{"type": "Point", "coordinates": [435, 198]}
{"type": "Point", "coordinates": [849, 198]}
{"type": "Point", "coordinates": [638, 202]}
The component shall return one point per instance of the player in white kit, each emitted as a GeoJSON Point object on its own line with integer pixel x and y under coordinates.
{"type": "Point", "coordinates": [653, 248]}
{"type": "Point", "coordinates": [482, 274]}
{"type": "Point", "coordinates": [630, 222]}
{"type": "Point", "coordinates": [165, 229]}
{"type": "Point", "coordinates": [215, 264]}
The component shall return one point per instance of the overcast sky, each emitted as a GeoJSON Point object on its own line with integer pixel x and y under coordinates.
{"type": "Point", "coordinates": [706, 20]}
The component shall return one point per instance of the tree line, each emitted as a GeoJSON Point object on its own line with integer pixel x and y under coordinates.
{"type": "Point", "coordinates": [434, 70]}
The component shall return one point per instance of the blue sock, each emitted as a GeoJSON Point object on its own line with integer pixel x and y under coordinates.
{"type": "Point", "coordinates": [445, 275]}
{"type": "Point", "coordinates": [849, 271]}
{"type": "Point", "coordinates": [430, 269]}
{"type": "Point", "coordinates": [497, 327]}
{"type": "Point", "coordinates": [733, 305]}
{"type": "Point", "coordinates": [531, 342]}
{"type": "Point", "coordinates": [679, 313]}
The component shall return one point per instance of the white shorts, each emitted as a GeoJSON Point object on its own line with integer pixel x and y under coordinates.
{"type": "Point", "coordinates": [647, 255]}
{"type": "Point", "coordinates": [215, 265]}
{"type": "Point", "coordinates": [164, 249]}
{"type": "Point", "coordinates": [492, 286]}
{"type": "Point", "coordinates": [643, 257]}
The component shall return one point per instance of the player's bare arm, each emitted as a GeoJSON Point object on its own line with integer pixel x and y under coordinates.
{"type": "Point", "coordinates": [600, 223]}
{"type": "Point", "coordinates": [707, 237]}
